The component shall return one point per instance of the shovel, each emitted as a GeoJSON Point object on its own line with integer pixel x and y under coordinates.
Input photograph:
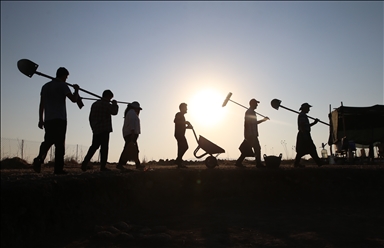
{"type": "Point", "coordinates": [29, 68]}
{"type": "Point", "coordinates": [275, 103]}
{"type": "Point", "coordinates": [228, 98]}
{"type": "Point", "coordinates": [86, 98]}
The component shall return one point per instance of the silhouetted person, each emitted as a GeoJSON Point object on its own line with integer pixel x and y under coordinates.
{"type": "Point", "coordinates": [53, 118]}
{"type": "Point", "coordinates": [180, 126]}
{"type": "Point", "coordinates": [101, 124]}
{"type": "Point", "coordinates": [131, 131]}
{"type": "Point", "coordinates": [251, 133]}
{"type": "Point", "coordinates": [304, 142]}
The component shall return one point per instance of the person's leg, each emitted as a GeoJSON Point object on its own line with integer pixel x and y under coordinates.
{"type": "Point", "coordinates": [182, 147]}
{"type": "Point", "coordinates": [61, 129]}
{"type": "Point", "coordinates": [316, 158]}
{"type": "Point", "coordinates": [297, 160]}
{"type": "Point", "coordinates": [104, 147]}
{"type": "Point", "coordinates": [96, 141]}
{"type": "Point", "coordinates": [300, 149]}
{"type": "Point", "coordinates": [137, 160]}
{"type": "Point", "coordinates": [257, 150]}
{"type": "Point", "coordinates": [254, 142]}
{"type": "Point", "coordinates": [245, 151]}
{"type": "Point", "coordinates": [125, 154]}
{"type": "Point", "coordinates": [49, 139]}
{"type": "Point", "coordinates": [240, 160]}
{"type": "Point", "coordinates": [314, 154]}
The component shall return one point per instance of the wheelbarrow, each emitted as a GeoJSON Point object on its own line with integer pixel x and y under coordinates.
{"type": "Point", "coordinates": [209, 148]}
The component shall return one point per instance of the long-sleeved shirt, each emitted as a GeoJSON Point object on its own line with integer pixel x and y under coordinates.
{"type": "Point", "coordinates": [100, 116]}
{"type": "Point", "coordinates": [131, 122]}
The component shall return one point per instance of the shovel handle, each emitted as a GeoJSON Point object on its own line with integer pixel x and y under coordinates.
{"type": "Point", "coordinates": [319, 120]}
{"type": "Point", "coordinates": [299, 113]}
{"type": "Point", "coordinates": [247, 108]}
{"type": "Point", "coordinates": [86, 91]}
{"type": "Point", "coordinates": [238, 104]}
{"type": "Point", "coordinates": [86, 98]}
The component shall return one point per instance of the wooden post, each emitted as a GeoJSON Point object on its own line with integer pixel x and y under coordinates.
{"type": "Point", "coordinates": [22, 149]}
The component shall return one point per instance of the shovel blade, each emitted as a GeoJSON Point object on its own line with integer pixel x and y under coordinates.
{"type": "Point", "coordinates": [227, 99]}
{"type": "Point", "coordinates": [275, 103]}
{"type": "Point", "coordinates": [27, 67]}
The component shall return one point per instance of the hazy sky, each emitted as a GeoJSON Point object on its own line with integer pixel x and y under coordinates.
{"type": "Point", "coordinates": [165, 53]}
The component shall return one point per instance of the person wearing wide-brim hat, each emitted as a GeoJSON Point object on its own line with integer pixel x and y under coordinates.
{"type": "Point", "coordinates": [304, 142]}
{"type": "Point", "coordinates": [131, 132]}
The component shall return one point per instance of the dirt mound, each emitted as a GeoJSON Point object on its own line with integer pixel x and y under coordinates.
{"type": "Point", "coordinates": [195, 207]}
{"type": "Point", "coordinates": [14, 163]}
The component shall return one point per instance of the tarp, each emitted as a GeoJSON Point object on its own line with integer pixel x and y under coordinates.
{"type": "Point", "coordinates": [363, 125]}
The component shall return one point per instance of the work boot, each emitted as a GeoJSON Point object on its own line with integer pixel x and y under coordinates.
{"type": "Point", "coordinates": [120, 167]}
{"type": "Point", "coordinates": [259, 164]}
{"type": "Point", "coordinates": [298, 165]}
{"type": "Point", "coordinates": [60, 172]}
{"type": "Point", "coordinates": [37, 165]}
{"type": "Point", "coordinates": [140, 167]}
{"type": "Point", "coordinates": [180, 165]}
{"type": "Point", "coordinates": [83, 167]}
{"type": "Point", "coordinates": [239, 165]}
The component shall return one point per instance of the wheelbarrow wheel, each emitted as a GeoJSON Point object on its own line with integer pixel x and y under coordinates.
{"type": "Point", "coordinates": [211, 162]}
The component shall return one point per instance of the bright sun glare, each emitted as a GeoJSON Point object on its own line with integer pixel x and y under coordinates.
{"type": "Point", "coordinates": [205, 107]}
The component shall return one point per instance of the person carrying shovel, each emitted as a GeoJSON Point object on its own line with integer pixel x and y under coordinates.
{"type": "Point", "coordinates": [304, 142]}
{"type": "Point", "coordinates": [251, 134]}
{"type": "Point", "coordinates": [101, 124]}
{"type": "Point", "coordinates": [53, 118]}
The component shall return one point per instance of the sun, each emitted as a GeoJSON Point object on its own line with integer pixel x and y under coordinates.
{"type": "Point", "coordinates": [205, 107]}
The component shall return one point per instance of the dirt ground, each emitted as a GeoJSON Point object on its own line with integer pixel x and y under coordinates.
{"type": "Point", "coordinates": [330, 206]}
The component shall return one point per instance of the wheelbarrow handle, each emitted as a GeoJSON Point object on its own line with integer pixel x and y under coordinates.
{"type": "Point", "coordinates": [197, 140]}
{"type": "Point", "coordinates": [196, 150]}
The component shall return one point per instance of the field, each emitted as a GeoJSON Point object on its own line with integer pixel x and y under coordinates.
{"type": "Point", "coordinates": [330, 206]}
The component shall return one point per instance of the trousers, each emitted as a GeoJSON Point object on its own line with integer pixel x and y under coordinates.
{"type": "Point", "coordinates": [55, 131]}
{"type": "Point", "coordinates": [98, 140]}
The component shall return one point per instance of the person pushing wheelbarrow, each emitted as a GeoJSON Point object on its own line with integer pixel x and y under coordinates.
{"type": "Point", "coordinates": [180, 126]}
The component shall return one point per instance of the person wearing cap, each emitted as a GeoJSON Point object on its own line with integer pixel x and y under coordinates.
{"type": "Point", "coordinates": [101, 123]}
{"type": "Point", "coordinates": [304, 142]}
{"type": "Point", "coordinates": [180, 127]}
{"type": "Point", "coordinates": [53, 118]}
{"type": "Point", "coordinates": [131, 132]}
{"type": "Point", "coordinates": [251, 134]}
